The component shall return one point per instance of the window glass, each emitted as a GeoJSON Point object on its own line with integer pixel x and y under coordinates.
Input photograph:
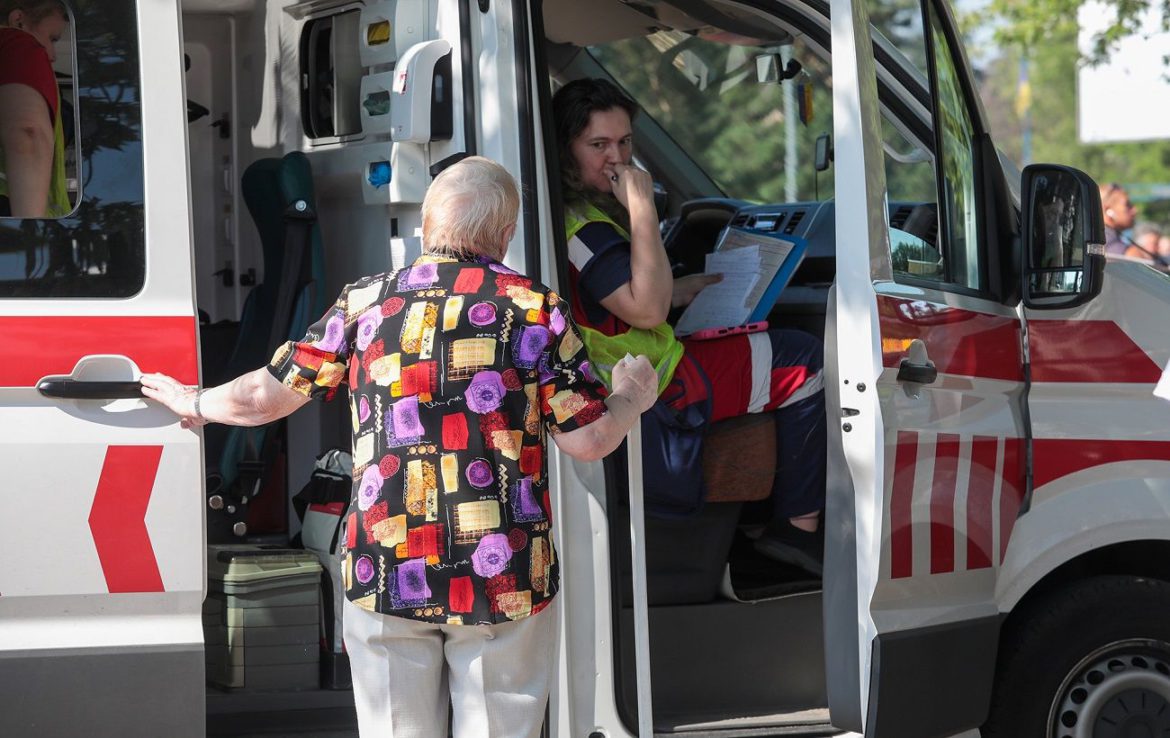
{"type": "Point", "coordinates": [331, 77]}
{"type": "Point", "coordinates": [97, 248]}
{"type": "Point", "coordinates": [957, 169]}
{"type": "Point", "coordinates": [917, 182]}
{"type": "Point", "coordinates": [756, 140]}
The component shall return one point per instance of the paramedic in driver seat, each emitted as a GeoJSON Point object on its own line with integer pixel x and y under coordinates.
{"type": "Point", "coordinates": [32, 143]}
{"type": "Point", "coordinates": [622, 290]}
{"type": "Point", "coordinates": [458, 369]}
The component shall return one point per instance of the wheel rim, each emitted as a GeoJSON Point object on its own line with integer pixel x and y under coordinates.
{"type": "Point", "coordinates": [1121, 690]}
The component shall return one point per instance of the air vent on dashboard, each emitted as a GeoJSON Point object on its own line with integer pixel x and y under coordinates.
{"type": "Point", "coordinates": [794, 221]}
{"type": "Point", "coordinates": [739, 221]}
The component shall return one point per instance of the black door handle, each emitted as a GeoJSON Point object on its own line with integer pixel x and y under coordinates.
{"type": "Point", "coordinates": [908, 371]}
{"type": "Point", "coordinates": [79, 390]}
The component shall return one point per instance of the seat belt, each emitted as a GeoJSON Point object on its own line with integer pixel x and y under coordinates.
{"type": "Point", "coordinates": [299, 219]}
{"type": "Point", "coordinates": [295, 273]}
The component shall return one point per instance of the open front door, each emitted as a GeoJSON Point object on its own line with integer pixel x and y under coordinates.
{"type": "Point", "coordinates": [101, 519]}
{"type": "Point", "coordinates": [927, 426]}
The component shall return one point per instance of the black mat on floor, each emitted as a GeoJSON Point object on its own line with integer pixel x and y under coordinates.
{"type": "Point", "coordinates": [756, 577]}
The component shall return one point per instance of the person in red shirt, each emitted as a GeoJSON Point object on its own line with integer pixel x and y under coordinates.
{"type": "Point", "coordinates": [32, 175]}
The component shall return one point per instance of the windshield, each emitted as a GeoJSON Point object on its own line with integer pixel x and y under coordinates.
{"type": "Point", "coordinates": [755, 140]}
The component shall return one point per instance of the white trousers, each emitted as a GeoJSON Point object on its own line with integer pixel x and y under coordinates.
{"type": "Point", "coordinates": [405, 673]}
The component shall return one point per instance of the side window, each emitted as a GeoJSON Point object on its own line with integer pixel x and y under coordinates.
{"type": "Point", "coordinates": [957, 169]}
{"type": "Point", "coordinates": [933, 208]}
{"type": "Point", "coordinates": [86, 240]}
{"type": "Point", "coordinates": [331, 76]}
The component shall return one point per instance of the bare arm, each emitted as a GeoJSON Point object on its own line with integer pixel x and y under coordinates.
{"type": "Point", "coordinates": [644, 301]}
{"type": "Point", "coordinates": [635, 390]}
{"type": "Point", "coordinates": [26, 135]}
{"type": "Point", "coordinates": [251, 399]}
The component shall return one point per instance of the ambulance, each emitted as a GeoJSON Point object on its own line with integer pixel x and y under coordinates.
{"type": "Point", "coordinates": [998, 500]}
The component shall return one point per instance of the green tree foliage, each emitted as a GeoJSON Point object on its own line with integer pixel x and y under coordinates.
{"type": "Point", "coordinates": [1031, 24]}
{"type": "Point", "coordinates": [1053, 62]}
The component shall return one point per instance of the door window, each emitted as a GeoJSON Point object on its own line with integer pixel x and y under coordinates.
{"type": "Point", "coordinates": [755, 139]}
{"type": "Point", "coordinates": [934, 232]}
{"type": "Point", "coordinates": [956, 137]}
{"type": "Point", "coordinates": [95, 246]}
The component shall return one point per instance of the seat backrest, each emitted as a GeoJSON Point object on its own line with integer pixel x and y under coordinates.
{"type": "Point", "coordinates": [270, 188]}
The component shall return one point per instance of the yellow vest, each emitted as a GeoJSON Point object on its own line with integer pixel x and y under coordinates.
{"type": "Point", "coordinates": [658, 343]}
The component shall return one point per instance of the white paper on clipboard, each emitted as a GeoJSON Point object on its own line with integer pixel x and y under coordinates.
{"type": "Point", "coordinates": [748, 262]}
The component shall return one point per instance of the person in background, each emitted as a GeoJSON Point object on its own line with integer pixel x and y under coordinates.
{"type": "Point", "coordinates": [623, 289]}
{"type": "Point", "coordinates": [458, 370]}
{"type": "Point", "coordinates": [1145, 244]}
{"type": "Point", "coordinates": [32, 144]}
{"type": "Point", "coordinates": [1119, 215]}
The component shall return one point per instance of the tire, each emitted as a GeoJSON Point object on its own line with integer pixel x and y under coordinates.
{"type": "Point", "coordinates": [1091, 661]}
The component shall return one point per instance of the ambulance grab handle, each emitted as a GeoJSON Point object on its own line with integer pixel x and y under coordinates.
{"type": "Point", "coordinates": [908, 371]}
{"type": "Point", "coordinates": [76, 390]}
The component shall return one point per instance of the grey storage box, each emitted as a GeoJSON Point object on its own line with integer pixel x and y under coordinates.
{"type": "Point", "coordinates": [261, 618]}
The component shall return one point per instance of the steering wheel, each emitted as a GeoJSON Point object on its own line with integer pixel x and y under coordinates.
{"type": "Point", "coordinates": [693, 233]}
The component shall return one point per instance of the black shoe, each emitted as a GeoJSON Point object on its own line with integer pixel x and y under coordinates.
{"type": "Point", "coordinates": [790, 545]}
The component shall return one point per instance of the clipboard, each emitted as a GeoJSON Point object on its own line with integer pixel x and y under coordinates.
{"type": "Point", "coordinates": [768, 288]}
{"type": "Point", "coordinates": [751, 284]}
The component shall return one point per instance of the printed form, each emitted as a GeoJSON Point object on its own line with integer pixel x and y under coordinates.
{"type": "Point", "coordinates": [748, 263]}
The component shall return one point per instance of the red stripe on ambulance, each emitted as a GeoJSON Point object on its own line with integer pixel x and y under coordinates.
{"type": "Point", "coordinates": [1054, 458]}
{"type": "Point", "coordinates": [118, 519]}
{"type": "Point", "coordinates": [1087, 351]}
{"type": "Point", "coordinates": [971, 523]}
{"type": "Point", "coordinates": [942, 504]}
{"type": "Point", "coordinates": [53, 345]}
{"type": "Point", "coordinates": [901, 504]}
{"type": "Point", "coordinates": [980, 496]}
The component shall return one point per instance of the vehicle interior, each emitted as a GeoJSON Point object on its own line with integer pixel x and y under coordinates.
{"type": "Point", "coordinates": [735, 128]}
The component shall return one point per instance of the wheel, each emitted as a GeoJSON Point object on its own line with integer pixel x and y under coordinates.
{"type": "Point", "coordinates": [1092, 661]}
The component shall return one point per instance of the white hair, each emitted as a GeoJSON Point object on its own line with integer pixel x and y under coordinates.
{"type": "Point", "coordinates": [470, 210]}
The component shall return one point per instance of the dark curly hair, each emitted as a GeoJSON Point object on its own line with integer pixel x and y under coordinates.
{"type": "Point", "coordinates": [572, 106]}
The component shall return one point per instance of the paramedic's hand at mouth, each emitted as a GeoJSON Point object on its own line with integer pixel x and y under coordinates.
{"type": "Point", "coordinates": [631, 184]}
{"type": "Point", "coordinates": [251, 399]}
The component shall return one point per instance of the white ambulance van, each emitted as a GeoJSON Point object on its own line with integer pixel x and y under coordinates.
{"type": "Point", "coordinates": [997, 553]}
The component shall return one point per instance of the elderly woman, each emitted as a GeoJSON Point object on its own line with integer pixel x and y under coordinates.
{"type": "Point", "coordinates": [456, 366]}
{"type": "Point", "coordinates": [622, 288]}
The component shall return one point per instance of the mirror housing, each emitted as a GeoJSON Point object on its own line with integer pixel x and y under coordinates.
{"type": "Point", "coordinates": [1062, 233]}
{"type": "Point", "coordinates": [824, 152]}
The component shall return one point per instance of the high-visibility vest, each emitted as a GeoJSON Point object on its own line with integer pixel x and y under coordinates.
{"type": "Point", "coordinates": [658, 344]}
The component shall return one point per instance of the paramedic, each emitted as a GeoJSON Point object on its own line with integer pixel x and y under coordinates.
{"type": "Point", "coordinates": [32, 145]}
{"type": "Point", "coordinates": [622, 290]}
{"type": "Point", "coordinates": [457, 368]}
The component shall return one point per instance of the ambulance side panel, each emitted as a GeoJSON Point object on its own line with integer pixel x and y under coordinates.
{"type": "Point", "coordinates": [101, 510]}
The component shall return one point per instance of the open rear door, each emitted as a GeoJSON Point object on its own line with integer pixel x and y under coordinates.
{"type": "Point", "coordinates": [101, 515]}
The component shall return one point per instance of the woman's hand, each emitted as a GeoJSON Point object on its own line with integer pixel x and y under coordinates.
{"type": "Point", "coordinates": [686, 288]}
{"type": "Point", "coordinates": [632, 185]}
{"type": "Point", "coordinates": [176, 397]}
{"type": "Point", "coordinates": [635, 379]}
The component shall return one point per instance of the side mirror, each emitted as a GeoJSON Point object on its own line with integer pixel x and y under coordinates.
{"type": "Point", "coordinates": [824, 152]}
{"type": "Point", "coordinates": [1063, 235]}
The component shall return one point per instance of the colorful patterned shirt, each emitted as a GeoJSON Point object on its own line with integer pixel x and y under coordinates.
{"type": "Point", "coordinates": [455, 371]}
